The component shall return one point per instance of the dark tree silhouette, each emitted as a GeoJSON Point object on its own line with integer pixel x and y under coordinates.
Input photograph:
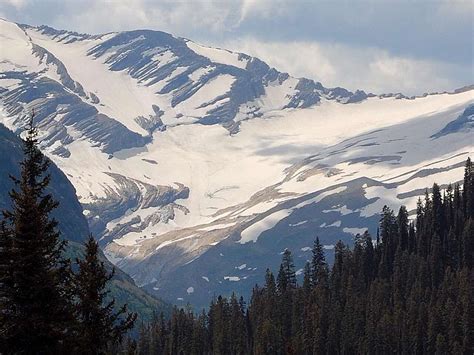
{"type": "Point", "coordinates": [99, 325]}
{"type": "Point", "coordinates": [37, 317]}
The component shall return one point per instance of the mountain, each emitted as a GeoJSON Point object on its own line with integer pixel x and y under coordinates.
{"type": "Point", "coordinates": [72, 223]}
{"type": "Point", "coordinates": [196, 166]}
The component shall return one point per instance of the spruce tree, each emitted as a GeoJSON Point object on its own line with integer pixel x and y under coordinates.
{"type": "Point", "coordinates": [318, 263]}
{"type": "Point", "coordinates": [287, 275]}
{"type": "Point", "coordinates": [307, 279]}
{"type": "Point", "coordinates": [6, 285]}
{"type": "Point", "coordinates": [38, 317]}
{"type": "Point", "coordinates": [468, 189]}
{"type": "Point", "coordinates": [99, 324]}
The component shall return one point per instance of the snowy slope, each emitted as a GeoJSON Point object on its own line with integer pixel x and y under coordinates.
{"type": "Point", "coordinates": [192, 161]}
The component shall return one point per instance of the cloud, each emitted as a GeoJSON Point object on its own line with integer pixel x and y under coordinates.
{"type": "Point", "coordinates": [262, 9]}
{"type": "Point", "coordinates": [92, 16]}
{"type": "Point", "coordinates": [371, 69]}
{"type": "Point", "coordinates": [17, 4]}
{"type": "Point", "coordinates": [379, 46]}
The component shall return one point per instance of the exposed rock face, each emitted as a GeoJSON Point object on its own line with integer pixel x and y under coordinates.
{"type": "Point", "coordinates": [132, 195]}
{"type": "Point", "coordinates": [465, 122]}
{"type": "Point", "coordinates": [57, 109]}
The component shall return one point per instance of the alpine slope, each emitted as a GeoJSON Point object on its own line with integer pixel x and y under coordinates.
{"type": "Point", "coordinates": [197, 166]}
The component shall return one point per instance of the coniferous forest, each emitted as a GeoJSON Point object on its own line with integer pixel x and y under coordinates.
{"type": "Point", "coordinates": [407, 290]}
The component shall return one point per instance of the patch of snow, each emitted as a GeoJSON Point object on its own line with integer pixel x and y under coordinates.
{"type": "Point", "coordinates": [251, 234]}
{"type": "Point", "coordinates": [198, 73]}
{"type": "Point", "coordinates": [342, 210]}
{"type": "Point", "coordinates": [297, 224]}
{"type": "Point", "coordinates": [336, 224]}
{"type": "Point", "coordinates": [168, 242]}
{"type": "Point", "coordinates": [207, 93]}
{"type": "Point", "coordinates": [217, 55]}
{"type": "Point", "coordinates": [321, 196]}
{"type": "Point", "coordinates": [232, 278]}
{"type": "Point", "coordinates": [217, 226]}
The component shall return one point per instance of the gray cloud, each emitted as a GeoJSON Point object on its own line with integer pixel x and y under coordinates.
{"type": "Point", "coordinates": [371, 69]}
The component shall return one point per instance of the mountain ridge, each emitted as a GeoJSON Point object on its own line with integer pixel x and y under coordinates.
{"type": "Point", "coordinates": [188, 168]}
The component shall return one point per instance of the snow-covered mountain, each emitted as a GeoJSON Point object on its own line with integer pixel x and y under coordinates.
{"type": "Point", "coordinates": [197, 166]}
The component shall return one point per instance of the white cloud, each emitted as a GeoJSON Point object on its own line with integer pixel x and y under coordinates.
{"type": "Point", "coordinates": [372, 45]}
{"type": "Point", "coordinates": [177, 17]}
{"type": "Point", "coordinates": [262, 8]}
{"type": "Point", "coordinates": [17, 4]}
{"type": "Point", "coordinates": [371, 69]}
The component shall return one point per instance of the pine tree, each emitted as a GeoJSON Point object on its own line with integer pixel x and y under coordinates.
{"type": "Point", "coordinates": [99, 325]}
{"type": "Point", "coordinates": [467, 242]}
{"type": "Point", "coordinates": [318, 263]}
{"type": "Point", "coordinates": [438, 211]}
{"type": "Point", "coordinates": [468, 190]}
{"type": "Point", "coordinates": [38, 317]}
{"type": "Point", "coordinates": [307, 279]}
{"type": "Point", "coordinates": [6, 285]}
{"type": "Point", "coordinates": [286, 275]}
{"type": "Point", "coordinates": [389, 240]}
{"type": "Point", "coordinates": [402, 224]}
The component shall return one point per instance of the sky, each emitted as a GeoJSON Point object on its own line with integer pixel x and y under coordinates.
{"type": "Point", "coordinates": [408, 46]}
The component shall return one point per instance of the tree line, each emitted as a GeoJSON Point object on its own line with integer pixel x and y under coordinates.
{"type": "Point", "coordinates": [409, 290]}
{"type": "Point", "coordinates": [50, 304]}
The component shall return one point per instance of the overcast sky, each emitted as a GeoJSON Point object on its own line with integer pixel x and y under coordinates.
{"type": "Point", "coordinates": [375, 45]}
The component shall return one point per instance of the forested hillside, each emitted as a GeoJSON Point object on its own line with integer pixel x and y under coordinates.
{"type": "Point", "coordinates": [407, 290]}
{"type": "Point", "coordinates": [71, 222]}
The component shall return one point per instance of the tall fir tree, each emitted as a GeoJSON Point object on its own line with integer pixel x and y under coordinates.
{"type": "Point", "coordinates": [318, 263]}
{"type": "Point", "coordinates": [287, 275]}
{"type": "Point", "coordinates": [99, 325]}
{"type": "Point", "coordinates": [38, 317]}
{"type": "Point", "coordinates": [6, 285]}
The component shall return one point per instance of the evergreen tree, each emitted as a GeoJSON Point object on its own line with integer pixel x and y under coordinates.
{"type": "Point", "coordinates": [402, 226]}
{"type": "Point", "coordinates": [467, 240]}
{"type": "Point", "coordinates": [318, 263]}
{"type": "Point", "coordinates": [6, 286]}
{"type": "Point", "coordinates": [307, 285]}
{"type": "Point", "coordinates": [287, 275]}
{"type": "Point", "coordinates": [99, 325]}
{"type": "Point", "coordinates": [468, 190]}
{"type": "Point", "coordinates": [38, 318]}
